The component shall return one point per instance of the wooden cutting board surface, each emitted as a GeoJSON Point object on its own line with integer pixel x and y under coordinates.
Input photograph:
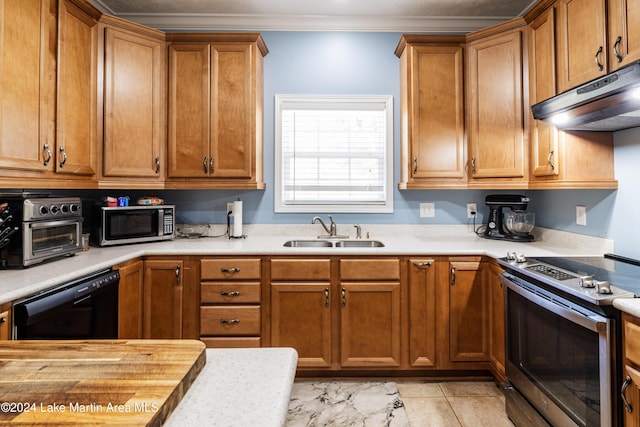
{"type": "Point", "coordinates": [129, 382]}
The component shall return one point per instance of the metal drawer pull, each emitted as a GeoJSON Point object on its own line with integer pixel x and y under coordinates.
{"type": "Point", "coordinates": [157, 164]}
{"type": "Point", "coordinates": [230, 322]}
{"type": "Point", "coordinates": [211, 168]}
{"type": "Point", "coordinates": [204, 165]}
{"type": "Point", "coordinates": [422, 264]}
{"type": "Point", "coordinates": [64, 157]}
{"type": "Point", "coordinates": [615, 49]}
{"type": "Point", "coordinates": [627, 382]}
{"type": "Point", "coordinates": [178, 275]}
{"type": "Point", "coordinates": [473, 165]}
{"type": "Point", "coordinates": [597, 57]}
{"type": "Point", "coordinates": [230, 270]}
{"type": "Point", "coordinates": [415, 165]}
{"type": "Point", "coordinates": [551, 165]}
{"type": "Point", "coordinates": [344, 297]}
{"type": "Point", "coordinates": [230, 294]}
{"type": "Point", "coordinates": [3, 320]}
{"type": "Point", "coordinates": [452, 278]}
{"type": "Point", "coordinates": [326, 297]}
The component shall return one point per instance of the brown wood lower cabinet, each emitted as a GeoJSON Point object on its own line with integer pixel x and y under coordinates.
{"type": "Point", "coordinates": [5, 321]}
{"type": "Point", "coordinates": [163, 279]}
{"type": "Point", "coordinates": [422, 312]}
{"type": "Point", "coordinates": [130, 299]}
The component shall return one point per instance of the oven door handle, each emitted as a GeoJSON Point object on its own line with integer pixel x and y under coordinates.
{"type": "Point", "coordinates": [559, 306]}
{"type": "Point", "coordinates": [47, 224]}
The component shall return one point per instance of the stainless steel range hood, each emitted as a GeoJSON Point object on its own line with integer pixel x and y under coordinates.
{"type": "Point", "coordinates": [608, 103]}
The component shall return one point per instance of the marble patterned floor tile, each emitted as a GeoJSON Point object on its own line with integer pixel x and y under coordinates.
{"type": "Point", "coordinates": [346, 403]}
{"type": "Point", "coordinates": [480, 411]}
{"type": "Point", "coordinates": [419, 389]}
{"type": "Point", "coordinates": [471, 388]}
{"type": "Point", "coordinates": [430, 412]}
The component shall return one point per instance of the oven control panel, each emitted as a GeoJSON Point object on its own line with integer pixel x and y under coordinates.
{"type": "Point", "coordinates": [550, 272]}
{"type": "Point", "coordinates": [52, 208]}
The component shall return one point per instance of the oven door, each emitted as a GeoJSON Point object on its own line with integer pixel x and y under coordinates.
{"type": "Point", "coordinates": [47, 239]}
{"type": "Point", "coordinates": [559, 356]}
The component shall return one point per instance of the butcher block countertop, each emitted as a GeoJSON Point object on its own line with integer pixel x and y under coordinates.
{"type": "Point", "coordinates": [132, 382]}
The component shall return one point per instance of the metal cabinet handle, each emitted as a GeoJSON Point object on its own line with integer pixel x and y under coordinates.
{"type": "Point", "coordinates": [47, 150]}
{"type": "Point", "coordinates": [344, 297]}
{"type": "Point", "coordinates": [615, 49]}
{"type": "Point", "coordinates": [627, 382]}
{"type": "Point", "coordinates": [230, 294]}
{"type": "Point", "coordinates": [64, 157]}
{"type": "Point", "coordinates": [473, 165]}
{"type": "Point", "coordinates": [178, 275]}
{"type": "Point", "coordinates": [211, 168]}
{"type": "Point", "coordinates": [3, 320]}
{"type": "Point", "coordinates": [415, 165]}
{"type": "Point", "coordinates": [230, 322]}
{"type": "Point", "coordinates": [551, 165]}
{"type": "Point", "coordinates": [422, 264]}
{"type": "Point", "coordinates": [230, 270]}
{"type": "Point", "coordinates": [452, 276]}
{"type": "Point", "coordinates": [157, 164]}
{"type": "Point", "coordinates": [326, 297]}
{"type": "Point", "coordinates": [204, 165]}
{"type": "Point", "coordinates": [597, 58]}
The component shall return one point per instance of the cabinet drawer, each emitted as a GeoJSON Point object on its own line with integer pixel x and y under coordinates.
{"type": "Point", "coordinates": [224, 320]}
{"type": "Point", "coordinates": [230, 269]}
{"type": "Point", "coordinates": [230, 293]}
{"type": "Point", "coordinates": [632, 341]}
{"type": "Point", "coordinates": [231, 342]}
{"type": "Point", "coordinates": [370, 269]}
{"type": "Point", "coordinates": [300, 269]}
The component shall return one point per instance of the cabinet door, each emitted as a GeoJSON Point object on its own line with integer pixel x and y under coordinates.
{"type": "Point", "coordinates": [422, 313]}
{"type": "Point", "coordinates": [27, 84]}
{"type": "Point", "coordinates": [468, 312]}
{"type": "Point", "coordinates": [188, 153]}
{"type": "Point", "coordinates": [233, 110]}
{"type": "Point", "coordinates": [370, 325]}
{"type": "Point", "coordinates": [5, 322]}
{"type": "Point", "coordinates": [632, 396]}
{"type": "Point", "coordinates": [582, 48]}
{"type": "Point", "coordinates": [76, 134]}
{"type": "Point", "coordinates": [301, 318]}
{"type": "Point", "coordinates": [436, 131]}
{"type": "Point", "coordinates": [624, 32]}
{"type": "Point", "coordinates": [542, 85]}
{"type": "Point", "coordinates": [133, 112]}
{"type": "Point", "coordinates": [163, 299]}
{"type": "Point", "coordinates": [130, 301]}
{"type": "Point", "coordinates": [496, 321]}
{"type": "Point", "coordinates": [496, 121]}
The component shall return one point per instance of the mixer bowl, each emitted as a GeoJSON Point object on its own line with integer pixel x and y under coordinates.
{"type": "Point", "coordinates": [519, 222]}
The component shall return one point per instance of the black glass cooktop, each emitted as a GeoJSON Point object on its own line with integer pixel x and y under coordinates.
{"type": "Point", "coordinates": [621, 272]}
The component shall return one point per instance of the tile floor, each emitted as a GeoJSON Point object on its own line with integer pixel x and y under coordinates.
{"type": "Point", "coordinates": [451, 404]}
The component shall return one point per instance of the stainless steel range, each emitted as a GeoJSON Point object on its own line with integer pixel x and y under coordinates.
{"type": "Point", "coordinates": [563, 338]}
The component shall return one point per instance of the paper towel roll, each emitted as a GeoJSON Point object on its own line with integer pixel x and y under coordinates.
{"type": "Point", "coordinates": [237, 219]}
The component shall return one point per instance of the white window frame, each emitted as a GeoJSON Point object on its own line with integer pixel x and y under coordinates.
{"type": "Point", "coordinates": [386, 206]}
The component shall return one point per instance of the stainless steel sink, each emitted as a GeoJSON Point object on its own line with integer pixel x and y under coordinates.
{"type": "Point", "coordinates": [308, 244]}
{"type": "Point", "coordinates": [359, 244]}
{"type": "Point", "coordinates": [333, 244]}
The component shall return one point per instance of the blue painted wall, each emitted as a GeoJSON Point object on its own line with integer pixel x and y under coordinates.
{"type": "Point", "coordinates": [364, 63]}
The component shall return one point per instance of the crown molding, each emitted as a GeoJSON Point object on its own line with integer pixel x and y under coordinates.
{"type": "Point", "coordinates": [242, 22]}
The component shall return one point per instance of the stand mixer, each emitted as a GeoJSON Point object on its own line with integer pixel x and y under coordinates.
{"type": "Point", "coordinates": [515, 225]}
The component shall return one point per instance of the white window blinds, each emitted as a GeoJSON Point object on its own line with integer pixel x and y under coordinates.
{"type": "Point", "coordinates": [334, 153]}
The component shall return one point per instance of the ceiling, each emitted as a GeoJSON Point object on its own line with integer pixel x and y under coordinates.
{"type": "Point", "coordinates": [425, 16]}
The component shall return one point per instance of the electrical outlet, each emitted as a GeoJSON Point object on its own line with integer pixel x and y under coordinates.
{"type": "Point", "coordinates": [581, 215]}
{"type": "Point", "coordinates": [427, 210]}
{"type": "Point", "coordinates": [472, 210]}
{"type": "Point", "coordinates": [230, 208]}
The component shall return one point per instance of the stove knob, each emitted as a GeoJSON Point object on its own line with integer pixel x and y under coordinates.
{"type": "Point", "coordinates": [511, 256]}
{"type": "Point", "coordinates": [587, 282]}
{"type": "Point", "coordinates": [603, 287]}
{"type": "Point", "coordinates": [64, 208]}
{"type": "Point", "coordinates": [520, 258]}
{"type": "Point", "coordinates": [74, 208]}
{"type": "Point", "coordinates": [54, 209]}
{"type": "Point", "coordinates": [43, 210]}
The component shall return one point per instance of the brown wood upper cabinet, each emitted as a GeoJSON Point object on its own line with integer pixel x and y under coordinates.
{"type": "Point", "coordinates": [432, 111]}
{"type": "Point", "coordinates": [134, 107]}
{"type": "Point", "coordinates": [495, 116]}
{"type": "Point", "coordinates": [215, 104]}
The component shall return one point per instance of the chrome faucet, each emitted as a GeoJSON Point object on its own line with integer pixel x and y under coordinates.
{"type": "Point", "coordinates": [331, 230]}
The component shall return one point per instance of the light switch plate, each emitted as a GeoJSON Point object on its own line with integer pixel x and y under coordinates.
{"type": "Point", "coordinates": [427, 210]}
{"type": "Point", "coordinates": [581, 215]}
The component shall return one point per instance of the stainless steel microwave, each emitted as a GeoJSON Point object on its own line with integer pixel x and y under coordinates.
{"type": "Point", "coordinates": [133, 224]}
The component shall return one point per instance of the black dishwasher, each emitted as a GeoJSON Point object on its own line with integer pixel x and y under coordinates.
{"type": "Point", "coordinates": [86, 308]}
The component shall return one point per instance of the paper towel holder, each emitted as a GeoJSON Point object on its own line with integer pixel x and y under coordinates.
{"type": "Point", "coordinates": [234, 231]}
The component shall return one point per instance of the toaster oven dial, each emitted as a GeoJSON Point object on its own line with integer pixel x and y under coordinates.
{"type": "Point", "coordinates": [43, 210]}
{"type": "Point", "coordinates": [64, 208]}
{"type": "Point", "coordinates": [54, 209]}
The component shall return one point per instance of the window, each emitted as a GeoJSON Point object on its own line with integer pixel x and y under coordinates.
{"type": "Point", "coordinates": [334, 153]}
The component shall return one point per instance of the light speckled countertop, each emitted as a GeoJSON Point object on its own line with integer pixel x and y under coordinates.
{"type": "Point", "coordinates": [418, 240]}
{"type": "Point", "coordinates": [628, 305]}
{"type": "Point", "coordinates": [239, 387]}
